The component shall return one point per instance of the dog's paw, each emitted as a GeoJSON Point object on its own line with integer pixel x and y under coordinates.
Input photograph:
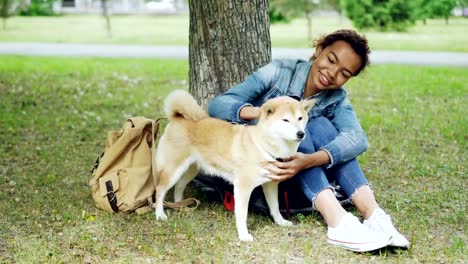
{"type": "Point", "coordinates": [284, 222]}
{"type": "Point", "coordinates": [161, 216]}
{"type": "Point", "coordinates": [246, 238]}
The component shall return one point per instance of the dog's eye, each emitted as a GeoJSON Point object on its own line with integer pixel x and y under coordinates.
{"type": "Point", "coordinates": [300, 118]}
{"type": "Point", "coordinates": [285, 120]}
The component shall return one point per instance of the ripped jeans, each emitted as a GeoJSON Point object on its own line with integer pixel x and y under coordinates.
{"type": "Point", "coordinates": [312, 181]}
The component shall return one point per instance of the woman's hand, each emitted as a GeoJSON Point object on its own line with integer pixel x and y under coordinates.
{"type": "Point", "coordinates": [283, 170]}
{"type": "Point", "coordinates": [280, 171]}
{"type": "Point", "coordinates": [249, 112]}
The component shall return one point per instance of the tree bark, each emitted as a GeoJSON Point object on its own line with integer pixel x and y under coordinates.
{"type": "Point", "coordinates": [228, 40]}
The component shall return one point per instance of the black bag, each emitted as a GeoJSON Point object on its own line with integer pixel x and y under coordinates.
{"type": "Point", "coordinates": [291, 199]}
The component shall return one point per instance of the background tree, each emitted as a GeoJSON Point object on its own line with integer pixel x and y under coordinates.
{"type": "Point", "coordinates": [338, 6]}
{"type": "Point", "coordinates": [9, 8]}
{"type": "Point", "coordinates": [401, 14]}
{"type": "Point", "coordinates": [359, 12]}
{"type": "Point", "coordinates": [422, 10]}
{"type": "Point", "coordinates": [296, 8]}
{"type": "Point", "coordinates": [463, 5]}
{"type": "Point", "coordinates": [105, 14]}
{"type": "Point", "coordinates": [227, 41]}
{"type": "Point", "coordinates": [442, 8]}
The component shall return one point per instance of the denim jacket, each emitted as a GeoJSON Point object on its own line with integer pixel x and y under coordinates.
{"type": "Point", "coordinates": [288, 77]}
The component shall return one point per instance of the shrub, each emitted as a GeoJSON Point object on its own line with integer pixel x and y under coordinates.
{"type": "Point", "coordinates": [39, 8]}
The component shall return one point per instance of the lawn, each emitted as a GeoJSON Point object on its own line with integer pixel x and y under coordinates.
{"type": "Point", "coordinates": [54, 114]}
{"type": "Point", "coordinates": [173, 30]}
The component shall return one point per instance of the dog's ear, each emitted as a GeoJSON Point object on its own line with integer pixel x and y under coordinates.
{"type": "Point", "coordinates": [268, 109]}
{"type": "Point", "coordinates": [308, 104]}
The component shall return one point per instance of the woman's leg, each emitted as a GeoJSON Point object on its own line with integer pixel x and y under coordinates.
{"type": "Point", "coordinates": [349, 174]}
{"type": "Point", "coordinates": [350, 177]}
{"type": "Point", "coordinates": [344, 229]}
{"type": "Point", "coordinates": [364, 201]}
{"type": "Point", "coordinates": [355, 185]}
{"type": "Point", "coordinates": [316, 187]}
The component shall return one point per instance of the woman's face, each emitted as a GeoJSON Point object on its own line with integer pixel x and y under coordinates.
{"type": "Point", "coordinates": [334, 66]}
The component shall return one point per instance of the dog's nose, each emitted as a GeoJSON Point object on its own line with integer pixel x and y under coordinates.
{"type": "Point", "coordinates": [300, 134]}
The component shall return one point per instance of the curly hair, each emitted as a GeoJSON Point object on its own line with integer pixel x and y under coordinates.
{"type": "Point", "coordinates": [355, 40]}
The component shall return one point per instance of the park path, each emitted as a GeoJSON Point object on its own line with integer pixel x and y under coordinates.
{"type": "Point", "coordinates": [459, 59]}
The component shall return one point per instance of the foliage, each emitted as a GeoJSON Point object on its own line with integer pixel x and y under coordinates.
{"type": "Point", "coordinates": [396, 14]}
{"type": "Point", "coordinates": [442, 8]}
{"type": "Point", "coordinates": [54, 114]}
{"type": "Point", "coordinates": [276, 16]}
{"type": "Point", "coordinates": [462, 3]}
{"type": "Point", "coordinates": [39, 8]}
{"type": "Point", "coordinates": [380, 14]}
{"type": "Point", "coordinates": [424, 9]}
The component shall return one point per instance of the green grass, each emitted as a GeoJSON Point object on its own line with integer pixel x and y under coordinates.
{"type": "Point", "coordinates": [173, 30]}
{"type": "Point", "coordinates": [146, 30]}
{"type": "Point", "coordinates": [54, 113]}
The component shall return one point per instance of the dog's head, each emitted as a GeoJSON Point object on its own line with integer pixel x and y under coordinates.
{"type": "Point", "coordinates": [285, 118]}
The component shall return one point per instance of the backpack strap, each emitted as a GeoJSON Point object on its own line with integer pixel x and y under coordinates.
{"type": "Point", "coordinates": [155, 130]}
{"type": "Point", "coordinates": [188, 204]}
{"type": "Point", "coordinates": [111, 196]}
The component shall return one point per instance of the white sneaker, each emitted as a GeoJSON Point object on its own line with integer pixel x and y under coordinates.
{"type": "Point", "coordinates": [380, 221]}
{"type": "Point", "coordinates": [352, 235]}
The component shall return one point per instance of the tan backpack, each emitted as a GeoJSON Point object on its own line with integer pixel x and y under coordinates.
{"type": "Point", "coordinates": [124, 176]}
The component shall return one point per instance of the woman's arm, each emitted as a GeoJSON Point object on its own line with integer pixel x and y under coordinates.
{"type": "Point", "coordinates": [351, 140]}
{"type": "Point", "coordinates": [236, 104]}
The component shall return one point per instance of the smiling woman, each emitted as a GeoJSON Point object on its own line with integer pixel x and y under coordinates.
{"type": "Point", "coordinates": [334, 137]}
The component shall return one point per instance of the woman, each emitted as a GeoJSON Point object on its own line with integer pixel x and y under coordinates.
{"type": "Point", "coordinates": [334, 137]}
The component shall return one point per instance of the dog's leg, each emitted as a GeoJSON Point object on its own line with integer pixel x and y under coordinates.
{"type": "Point", "coordinates": [161, 191]}
{"type": "Point", "coordinates": [184, 180]}
{"type": "Point", "coordinates": [270, 189]}
{"type": "Point", "coordinates": [169, 176]}
{"type": "Point", "coordinates": [242, 194]}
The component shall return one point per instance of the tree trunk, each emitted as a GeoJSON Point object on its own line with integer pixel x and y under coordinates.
{"type": "Point", "coordinates": [105, 13]}
{"type": "Point", "coordinates": [309, 26]}
{"type": "Point", "coordinates": [228, 40]}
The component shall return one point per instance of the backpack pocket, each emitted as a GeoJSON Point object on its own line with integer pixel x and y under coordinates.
{"type": "Point", "coordinates": [139, 186]}
{"type": "Point", "coordinates": [125, 190]}
{"type": "Point", "coordinates": [108, 192]}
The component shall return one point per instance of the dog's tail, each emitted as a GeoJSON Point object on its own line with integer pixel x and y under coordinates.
{"type": "Point", "coordinates": [181, 104]}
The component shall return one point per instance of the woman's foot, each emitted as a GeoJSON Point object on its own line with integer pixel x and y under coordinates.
{"type": "Point", "coordinates": [381, 222]}
{"type": "Point", "coordinates": [352, 235]}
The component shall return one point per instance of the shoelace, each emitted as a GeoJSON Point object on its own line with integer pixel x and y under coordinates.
{"type": "Point", "coordinates": [385, 223]}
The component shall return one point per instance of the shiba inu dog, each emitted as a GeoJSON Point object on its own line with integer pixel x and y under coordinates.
{"type": "Point", "coordinates": [193, 141]}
